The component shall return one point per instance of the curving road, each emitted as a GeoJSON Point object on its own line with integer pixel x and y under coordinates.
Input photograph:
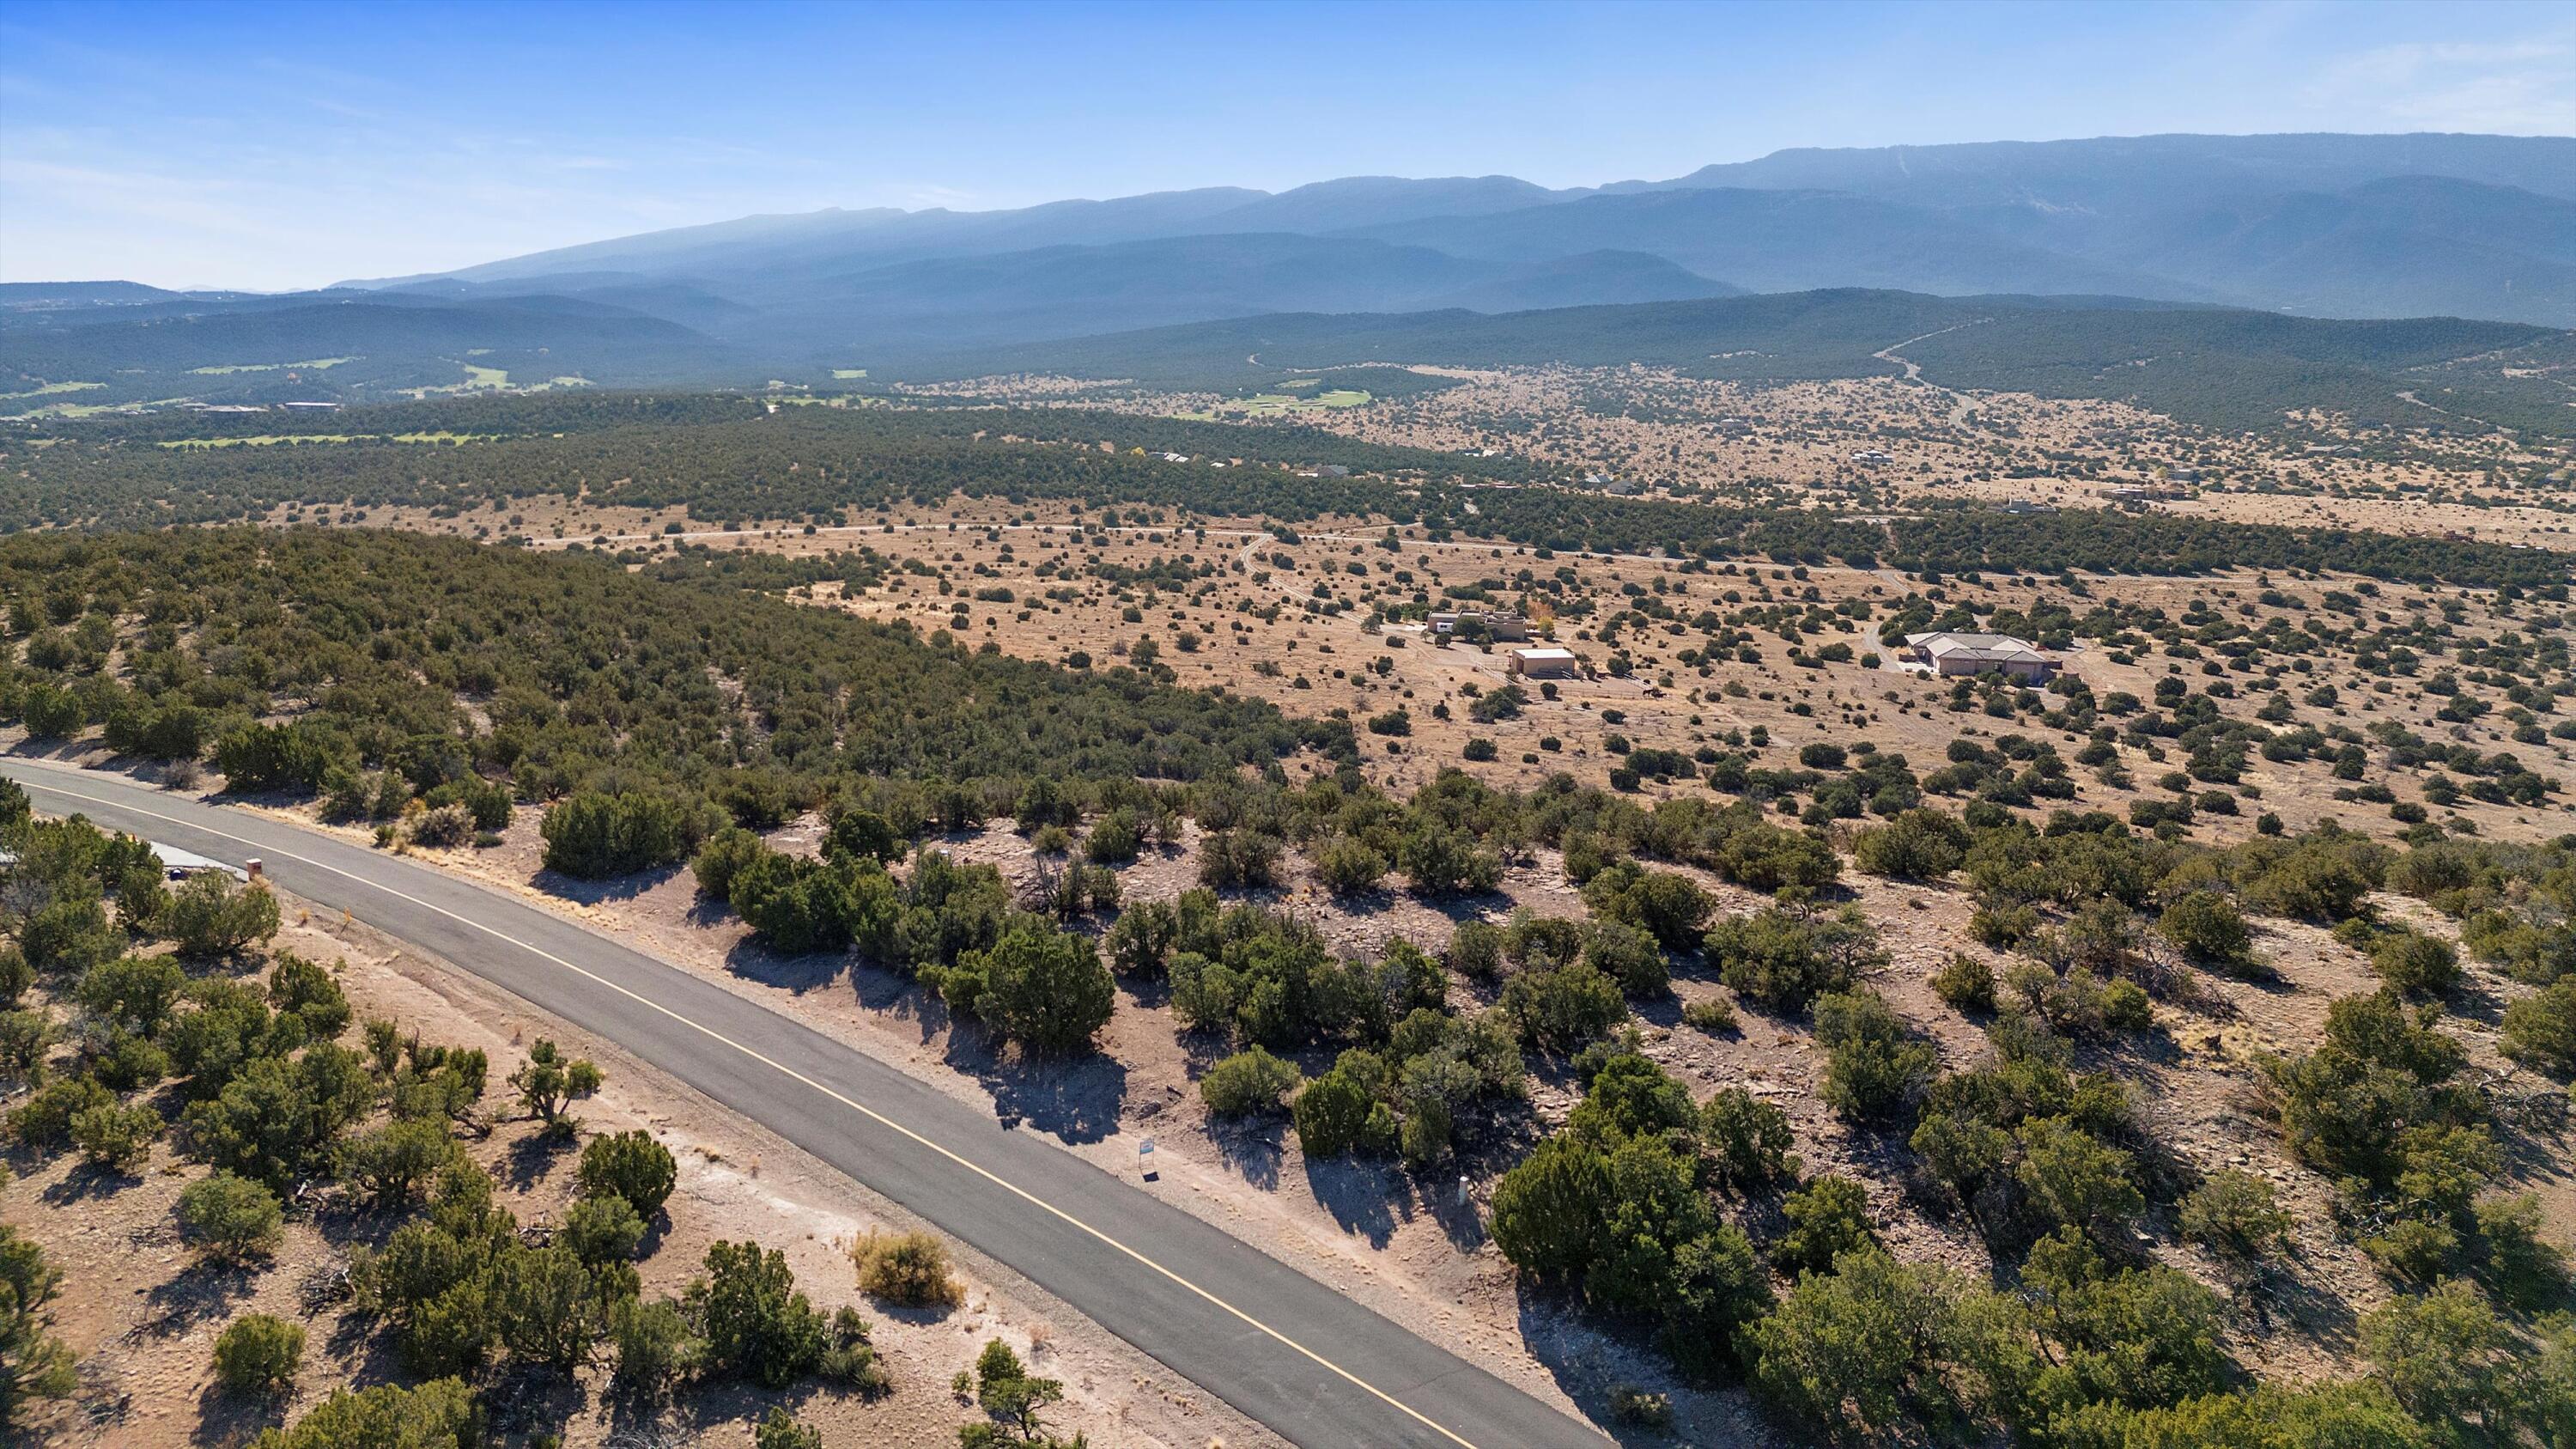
{"type": "Point", "coordinates": [1322, 1371]}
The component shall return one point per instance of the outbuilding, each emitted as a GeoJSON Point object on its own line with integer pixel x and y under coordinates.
{"type": "Point", "coordinates": [1543, 663]}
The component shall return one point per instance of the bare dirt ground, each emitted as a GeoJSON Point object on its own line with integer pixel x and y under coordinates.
{"type": "Point", "coordinates": [143, 1316]}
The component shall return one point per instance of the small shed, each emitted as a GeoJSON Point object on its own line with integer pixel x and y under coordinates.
{"type": "Point", "coordinates": [1543, 663]}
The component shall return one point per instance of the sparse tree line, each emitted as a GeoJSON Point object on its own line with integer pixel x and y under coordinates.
{"type": "Point", "coordinates": [728, 464]}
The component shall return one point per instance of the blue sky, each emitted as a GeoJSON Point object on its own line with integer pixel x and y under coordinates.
{"type": "Point", "coordinates": [271, 146]}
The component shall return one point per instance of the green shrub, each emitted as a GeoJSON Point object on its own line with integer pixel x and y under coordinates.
{"type": "Point", "coordinates": [1666, 905]}
{"type": "Point", "coordinates": [653, 1346]}
{"type": "Point", "coordinates": [2415, 964]}
{"type": "Point", "coordinates": [1872, 1066]}
{"type": "Point", "coordinates": [1847, 1350]}
{"type": "Point", "coordinates": [630, 1165]}
{"type": "Point", "coordinates": [211, 914]}
{"type": "Point", "coordinates": [2540, 1029]}
{"type": "Point", "coordinates": [1439, 861]}
{"type": "Point", "coordinates": [44, 1119]}
{"type": "Point", "coordinates": [1632, 1405]}
{"type": "Point", "coordinates": [1716, 1015]}
{"type": "Point", "coordinates": [1827, 1217]}
{"type": "Point", "coordinates": [779, 1429]}
{"type": "Point", "coordinates": [50, 713]}
{"type": "Point", "coordinates": [1246, 1082]}
{"type": "Point", "coordinates": [754, 1322]}
{"type": "Point", "coordinates": [25, 1037]}
{"type": "Point", "coordinates": [1337, 1114]}
{"type": "Point", "coordinates": [1115, 840]}
{"type": "Point", "coordinates": [115, 1137]}
{"type": "Point", "coordinates": [2438, 1353]}
{"type": "Point", "coordinates": [1040, 987]}
{"type": "Point", "coordinates": [279, 1119]}
{"type": "Point", "coordinates": [595, 836]}
{"type": "Point", "coordinates": [1625, 1220]}
{"type": "Point", "coordinates": [1348, 867]}
{"type": "Point", "coordinates": [603, 1229]}
{"type": "Point", "coordinates": [2233, 1215]}
{"type": "Point", "coordinates": [1748, 1140]}
{"type": "Point", "coordinates": [124, 1061]}
{"type": "Point", "coordinates": [2521, 1267]}
{"type": "Point", "coordinates": [2125, 1006]}
{"type": "Point", "coordinates": [440, 1414]}
{"type": "Point", "coordinates": [2075, 1179]}
{"type": "Point", "coordinates": [1238, 859]}
{"type": "Point", "coordinates": [1563, 1008]}
{"type": "Point", "coordinates": [34, 1364]}
{"type": "Point", "coordinates": [443, 828]}
{"type": "Point", "coordinates": [1005, 1389]}
{"type": "Point", "coordinates": [1476, 949]}
{"type": "Point", "coordinates": [2208, 928]}
{"type": "Point", "coordinates": [134, 992]}
{"type": "Point", "coordinates": [1786, 956]}
{"type": "Point", "coordinates": [1919, 844]}
{"type": "Point", "coordinates": [1966, 983]}
{"type": "Point", "coordinates": [259, 1354]}
{"type": "Point", "coordinates": [294, 756]}
{"type": "Point", "coordinates": [721, 861]}
{"type": "Point", "coordinates": [394, 1163]}
{"type": "Point", "coordinates": [229, 1217]}
{"type": "Point", "coordinates": [1629, 956]}
{"type": "Point", "coordinates": [548, 1082]}
{"type": "Point", "coordinates": [308, 990]}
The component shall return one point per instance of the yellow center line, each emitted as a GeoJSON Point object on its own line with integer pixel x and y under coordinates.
{"type": "Point", "coordinates": [860, 1107]}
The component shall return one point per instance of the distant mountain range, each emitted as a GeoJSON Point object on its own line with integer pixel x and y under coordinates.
{"type": "Point", "coordinates": [2328, 226]}
{"type": "Point", "coordinates": [2323, 225]}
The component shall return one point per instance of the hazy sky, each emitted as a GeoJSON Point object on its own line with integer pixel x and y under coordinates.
{"type": "Point", "coordinates": [209, 144]}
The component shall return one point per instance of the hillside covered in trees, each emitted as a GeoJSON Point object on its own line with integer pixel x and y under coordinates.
{"type": "Point", "coordinates": [375, 645]}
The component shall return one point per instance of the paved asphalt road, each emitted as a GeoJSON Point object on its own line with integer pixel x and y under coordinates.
{"type": "Point", "coordinates": [1284, 1349]}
